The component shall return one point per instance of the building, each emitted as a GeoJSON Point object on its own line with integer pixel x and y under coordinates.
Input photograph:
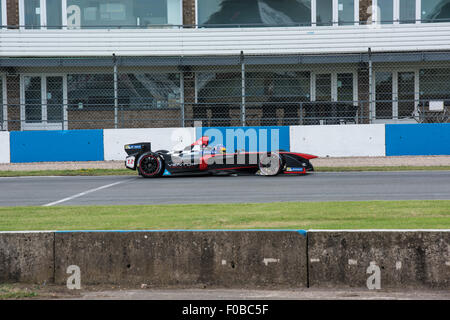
{"type": "Point", "coordinates": [87, 64]}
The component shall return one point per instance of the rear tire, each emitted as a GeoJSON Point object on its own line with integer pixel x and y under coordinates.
{"type": "Point", "coordinates": [150, 165]}
{"type": "Point", "coordinates": [270, 164]}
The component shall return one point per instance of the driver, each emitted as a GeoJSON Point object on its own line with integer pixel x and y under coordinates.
{"type": "Point", "coordinates": [219, 149]}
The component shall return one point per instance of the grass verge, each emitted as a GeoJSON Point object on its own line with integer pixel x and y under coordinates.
{"type": "Point", "coordinates": [110, 172]}
{"type": "Point", "coordinates": [11, 292]}
{"type": "Point", "coordinates": [433, 214]}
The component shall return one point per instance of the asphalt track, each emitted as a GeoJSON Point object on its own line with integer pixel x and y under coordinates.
{"type": "Point", "coordinates": [125, 190]}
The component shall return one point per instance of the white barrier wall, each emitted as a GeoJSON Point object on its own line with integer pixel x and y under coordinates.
{"type": "Point", "coordinates": [160, 138]}
{"type": "Point", "coordinates": [4, 147]}
{"type": "Point", "coordinates": [339, 140]}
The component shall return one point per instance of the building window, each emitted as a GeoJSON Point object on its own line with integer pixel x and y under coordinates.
{"type": "Point", "coordinates": [435, 85]}
{"type": "Point", "coordinates": [35, 14]}
{"type": "Point", "coordinates": [254, 12]}
{"type": "Point", "coordinates": [435, 10]}
{"type": "Point", "coordinates": [277, 86]}
{"type": "Point", "coordinates": [395, 93]}
{"type": "Point", "coordinates": [3, 19]}
{"type": "Point", "coordinates": [383, 96]}
{"type": "Point", "coordinates": [32, 11]}
{"type": "Point", "coordinates": [407, 11]}
{"type": "Point", "coordinates": [33, 99]}
{"type": "Point", "coordinates": [123, 13]}
{"type": "Point", "coordinates": [386, 11]}
{"type": "Point", "coordinates": [90, 91]}
{"type": "Point", "coordinates": [324, 12]}
{"type": "Point", "coordinates": [395, 11]}
{"type": "Point", "coordinates": [135, 90]}
{"type": "Point", "coordinates": [269, 95]}
{"type": "Point", "coordinates": [219, 87]}
{"type": "Point", "coordinates": [323, 87]}
{"type": "Point", "coordinates": [149, 90]}
{"type": "Point", "coordinates": [346, 12]}
{"type": "Point", "coordinates": [222, 13]}
{"type": "Point", "coordinates": [277, 94]}
{"type": "Point", "coordinates": [42, 102]}
{"type": "Point", "coordinates": [406, 94]}
{"type": "Point", "coordinates": [345, 88]}
{"type": "Point", "coordinates": [54, 14]}
{"type": "Point", "coordinates": [218, 93]}
{"type": "Point", "coordinates": [55, 98]}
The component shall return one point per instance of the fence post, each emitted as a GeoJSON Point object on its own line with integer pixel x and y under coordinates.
{"type": "Point", "coordinates": [116, 100]}
{"type": "Point", "coordinates": [371, 102]}
{"type": "Point", "coordinates": [243, 89]}
{"type": "Point", "coordinates": [300, 120]}
{"type": "Point", "coordinates": [182, 99]}
{"type": "Point", "coordinates": [62, 114]}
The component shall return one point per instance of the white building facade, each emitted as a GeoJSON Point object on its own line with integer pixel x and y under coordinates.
{"type": "Point", "coordinates": [73, 64]}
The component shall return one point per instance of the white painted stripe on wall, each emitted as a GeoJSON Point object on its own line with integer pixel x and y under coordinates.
{"type": "Point", "coordinates": [339, 140]}
{"type": "Point", "coordinates": [4, 147]}
{"type": "Point", "coordinates": [160, 138]}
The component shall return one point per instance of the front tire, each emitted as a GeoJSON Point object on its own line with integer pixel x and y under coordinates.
{"type": "Point", "coordinates": [150, 165]}
{"type": "Point", "coordinates": [270, 164]}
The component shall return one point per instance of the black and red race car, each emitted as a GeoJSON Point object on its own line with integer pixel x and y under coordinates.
{"type": "Point", "coordinates": [201, 158]}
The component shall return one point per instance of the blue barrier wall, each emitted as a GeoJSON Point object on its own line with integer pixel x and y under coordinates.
{"type": "Point", "coordinates": [68, 145]}
{"type": "Point", "coordinates": [238, 138]}
{"type": "Point", "coordinates": [418, 139]}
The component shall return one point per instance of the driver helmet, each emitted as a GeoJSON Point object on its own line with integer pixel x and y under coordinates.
{"type": "Point", "coordinates": [220, 148]}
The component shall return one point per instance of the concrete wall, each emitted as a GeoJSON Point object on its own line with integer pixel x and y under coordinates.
{"type": "Point", "coordinates": [161, 138]}
{"type": "Point", "coordinates": [223, 258]}
{"type": "Point", "coordinates": [418, 139]}
{"type": "Point", "coordinates": [4, 147]}
{"type": "Point", "coordinates": [26, 257]}
{"type": "Point", "coordinates": [239, 259]}
{"type": "Point", "coordinates": [339, 140]}
{"type": "Point", "coordinates": [409, 259]}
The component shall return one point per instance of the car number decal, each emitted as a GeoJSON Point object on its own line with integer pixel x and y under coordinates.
{"type": "Point", "coordinates": [130, 162]}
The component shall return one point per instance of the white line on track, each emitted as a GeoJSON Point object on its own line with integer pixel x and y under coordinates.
{"type": "Point", "coordinates": [83, 193]}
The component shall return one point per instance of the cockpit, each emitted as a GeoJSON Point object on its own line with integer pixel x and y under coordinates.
{"type": "Point", "coordinates": [202, 145]}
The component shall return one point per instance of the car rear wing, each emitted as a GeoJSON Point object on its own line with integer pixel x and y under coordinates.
{"type": "Point", "coordinates": [139, 147]}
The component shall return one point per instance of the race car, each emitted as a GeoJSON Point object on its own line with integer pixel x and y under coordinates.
{"type": "Point", "coordinates": [201, 158]}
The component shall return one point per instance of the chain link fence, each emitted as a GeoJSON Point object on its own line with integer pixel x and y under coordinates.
{"type": "Point", "coordinates": [241, 91]}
